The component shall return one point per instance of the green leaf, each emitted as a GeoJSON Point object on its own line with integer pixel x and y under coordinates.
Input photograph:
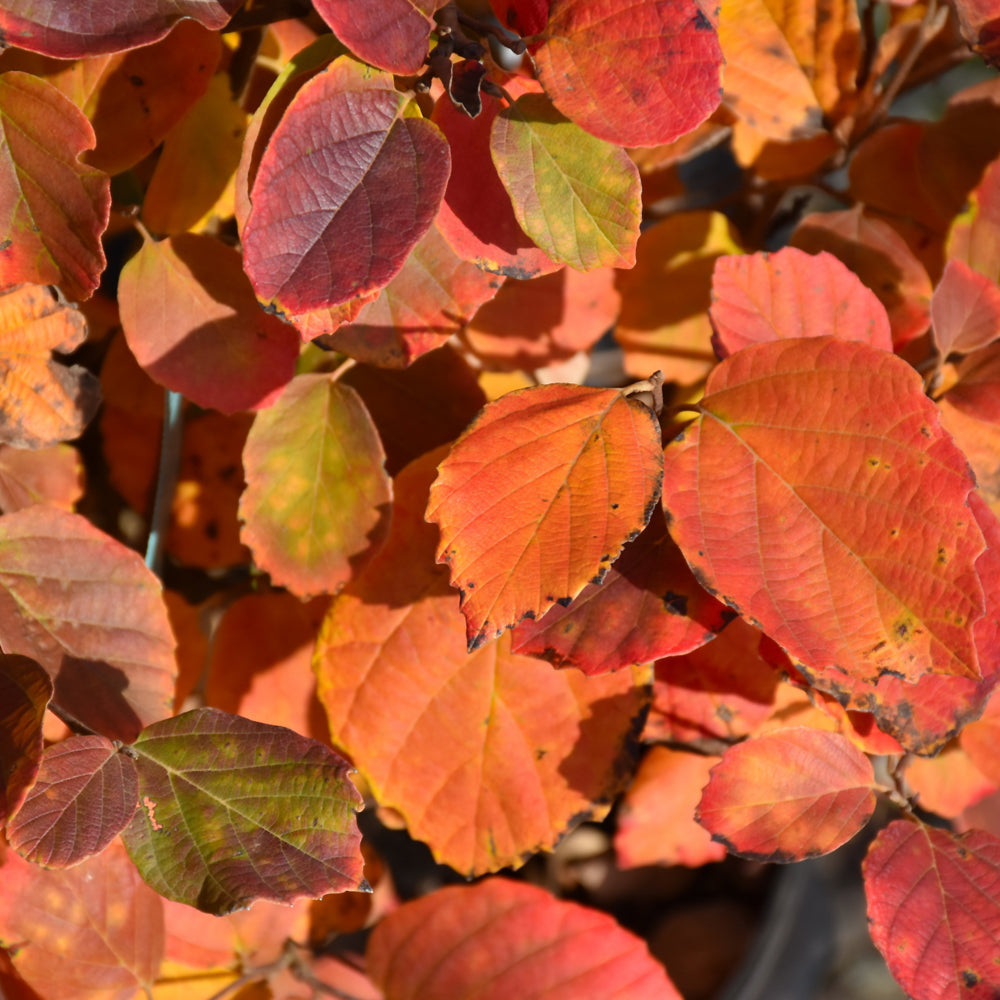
{"type": "Point", "coordinates": [575, 195]}
{"type": "Point", "coordinates": [231, 811]}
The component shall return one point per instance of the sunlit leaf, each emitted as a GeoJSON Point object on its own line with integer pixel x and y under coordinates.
{"type": "Point", "coordinates": [393, 34]}
{"type": "Point", "coordinates": [948, 783]}
{"type": "Point", "coordinates": [639, 73]}
{"type": "Point", "coordinates": [192, 322]}
{"type": "Point", "coordinates": [575, 195]}
{"type": "Point", "coordinates": [841, 528]}
{"type": "Point", "coordinates": [51, 475]}
{"type": "Point", "coordinates": [757, 298]}
{"type": "Point", "coordinates": [933, 905]}
{"type": "Point", "coordinates": [95, 930]}
{"type": "Point", "coordinates": [489, 757]}
{"type": "Point", "coordinates": [974, 237]}
{"type": "Point", "coordinates": [476, 216]}
{"type": "Point", "coordinates": [317, 495]}
{"type": "Point", "coordinates": [53, 207]}
{"type": "Point", "coordinates": [25, 691]}
{"type": "Point", "coordinates": [233, 810]}
{"type": "Point", "coordinates": [656, 824]}
{"type": "Point", "coordinates": [538, 496]}
{"type": "Point", "coordinates": [347, 185]}
{"type": "Point", "coordinates": [72, 31]}
{"type": "Point", "coordinates": [85, 795]}
{"type": "Point", "coordinates": [93, 616]}
{"type": "Point", "coordinates": [500, 939]}
{"type": "Point", "coordinates": [649, 605]}
{"type": "Point", "coordinates": [787, 795]}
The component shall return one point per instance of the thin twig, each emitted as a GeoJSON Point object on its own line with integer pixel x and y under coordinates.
{"type": "Point", "coordinates": [170, 460]}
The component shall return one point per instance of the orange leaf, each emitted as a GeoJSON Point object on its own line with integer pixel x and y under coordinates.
{"type": "Point", "coordinates": [839, 526]}
{"type": "Point", "coordinates": [933, 910]}
{"type": "Point", "coordinates": [656, 824]}
{"type": "Point", "coordinates": [538, 497]}
{"type": "Point", "coordinates": [787, 795]}
{"type": "Point", "coordinates": [95, 930]}
{"type": "Point", "coordinates": [502, 939]}
{"type": "Point", "coordinates": [53, 208]}
{"type": "Point", "coordinates": [948, 783]}
{"type": "Point", "coordinates": [762, 297]}
{"type": "Point", "coordinates": [488, 756]}
{"type": "Point", "coordinates": [51, 475]}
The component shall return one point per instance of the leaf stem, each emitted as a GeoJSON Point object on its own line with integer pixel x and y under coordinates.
{"type": "Point", "coordinates": [170, 460]}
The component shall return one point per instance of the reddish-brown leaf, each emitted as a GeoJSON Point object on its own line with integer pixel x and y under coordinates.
{"type": "Point", "coordinates": [529, 324]}
{"type": "Point", "coordinates": [639, 73]}
{"type": "Point", "coordinates": [347, 186]}
{"type": "Point", "coordinates": [92, 614]}
{"type": "Point", "coordinates": [720, 691]}
{"type": "Point", "coordinates": [839, 526]}
{"type": "Point", "coordinates": [965, 310]}
{"type": "Point", "coordinates": [25, 691]}
{"type": "Point", "coordinates": [233, 811]}
{"type": "Point", "coordinates": [427, 302]}
{"type": "Point", "coordinates": [476, 216]}
{"type": "Point", "coordinates": [977, 379]}
{"type": "Point", "coordinates": [762, 297]}
{"type": "Point", "coordinates": [42, 402]}
{"type": "Point", "coordinates": [656, 824]}
{"type": "Point", "coordinates": [489, 757]}
{"type": "Point", "coordinates": [880, 257]}
{"type": "Point", "coordinates": [51, 475]}
{"type": "Point", "coordinates": [575, 195]}
{"type": "Point", "coordinates": [393, 34]}
{"type": "Point", "coordinates": [538, 496]}
{"type": "Point", "coordinates": [933, 909]}
{"type": "Point", "coordinates": [420, 407]}
{"type": "Point", "coordinates": [501, 939]}
{"type": "Point", "coordinates": [84, 796]}
{"type": "Point", "coordinates": [526, 17]}
{"type": "Point", "coordinates": [649, 605]}
{"type": "Point", "coordinates": [192, 322]}
{"type": "Point", "coordinates": [317, 497]}
{"type": "Point", "coordinates": [95, 930]}
{"type": "Point", "coordinates": [53, 207]}
{"type": "Point", "coordinates": [73, 31]}
{"type": "Point", "coordinates": [787, 795]}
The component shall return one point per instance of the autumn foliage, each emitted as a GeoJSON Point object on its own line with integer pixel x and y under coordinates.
{"type": "Point", "coordinates": [332, 276]}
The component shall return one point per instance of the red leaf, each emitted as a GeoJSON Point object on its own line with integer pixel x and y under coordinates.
{"type": "Point", "coordinates": [85, 795]}
{"type": "Point", "coordinates": [346, 187]}
{"type": "Point", "coordinates": [489, 757]}
{"type": "Point", "coordinates": [656, 824]}
{"type": "Point", "coordinates": [25, 691]}
{"type": "Point", "coordinates": [639, 73]}
{"type": "Point", "coordinates": [975, 236]}
{"type": "Point", "coordinates": [720, 691]}
{"type": "Point", "coordinates": [434, 295]}
{"type": "Point", "coordinates": [575, 195]}
{"type": "Point", "coordinates": [95, 930]}
{"type": "Point", "coordinates": [93, 616]}
{"type": "Point", "coordinates": [649, 605]}
{"type": "Point", "coordinates": [476, 216]}
{"type": "Point", "coordinates": [788, 795]}
{"type": "Point", "coordinates": [965, 310]}
{"type": "Point", "coordinates": [526, 17]}
{"type": "Point", "coordinates": [538, 497]}
{"type": "Point", "coordinates": [392, 34]}
{"type": "Point", "coordinates": [317, 496]}
{"type": "Point", "coordinates": [192, 322]}
{"type": "Point", "coordinates": [948, 783]}
{"type": "Point", "coordinates": [501, 939]}
{"type": "Point", "coordinates": [794, 499]}
{"type": "Point", "coordinates": [53, 208]}
{"type": "Point", "coordinates": [758, 298]}
{"type": "Point", "coordinates": [73, 31]}
{"type": "Point", "coordinates": [234, 810]}
{"type": "Point", "coordinates": [933, 910]}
